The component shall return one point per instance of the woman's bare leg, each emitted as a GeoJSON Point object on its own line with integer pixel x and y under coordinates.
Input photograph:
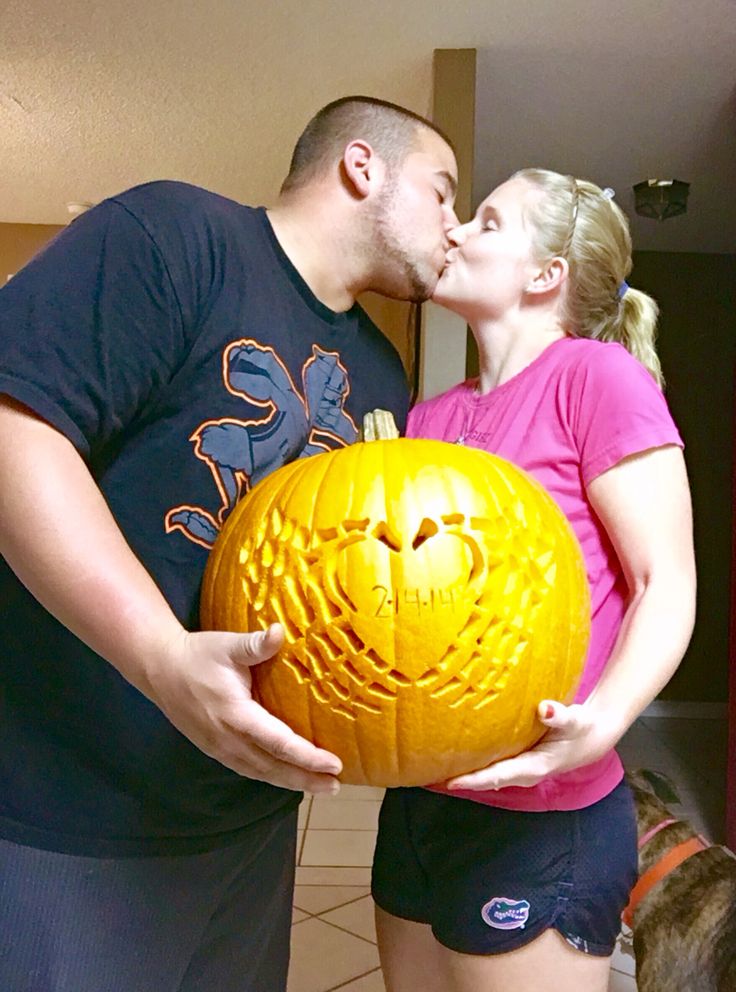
{"type": "Point", "coordinates": [547, 964]}
{"type": "Point", "coordinates": [410, 955]}
{"type": "Point", "coordinates": [413, 959]}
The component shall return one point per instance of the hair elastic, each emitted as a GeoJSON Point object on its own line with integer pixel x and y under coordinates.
{"type": "Point", "coordinates": [622, 289]}
{"type": "Point", "coordinates": [608, 193]}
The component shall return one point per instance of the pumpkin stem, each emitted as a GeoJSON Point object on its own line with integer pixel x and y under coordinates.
{"type": "Point", "coordinates": [379, 425]}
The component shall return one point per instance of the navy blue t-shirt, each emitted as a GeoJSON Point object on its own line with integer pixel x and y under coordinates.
{"type": "Point", "coordinates": [169, 337]}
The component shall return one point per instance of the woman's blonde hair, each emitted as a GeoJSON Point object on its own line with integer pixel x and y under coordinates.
{"type": "Point", "coordinates": [576, 220]}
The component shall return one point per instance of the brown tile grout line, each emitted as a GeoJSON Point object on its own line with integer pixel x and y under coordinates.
{"type": "Point", "coordinates": [301, 849]}
{"type": "Point", "coordinates": [336, 926]}
{"type": "Point", "coordinates": [335, 885]}
{"type": "Point", "coordinates": [335, 988]}
{"type": "Point", "coordinates": [341, 905]}
{"type": "Point", "coordinates": [304, 835]}
{"type": "Point", "coordinates": [366, 867]}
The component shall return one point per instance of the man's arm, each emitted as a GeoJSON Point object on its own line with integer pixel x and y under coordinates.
{"type": "Point", "coordinates": [100, 591]}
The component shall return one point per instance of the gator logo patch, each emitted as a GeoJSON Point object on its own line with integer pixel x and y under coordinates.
{"type": "Point", "coordinates": [506, 914]}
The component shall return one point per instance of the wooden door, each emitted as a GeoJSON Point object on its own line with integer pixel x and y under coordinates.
{"type": "Point", "coordinates": [731, 758]}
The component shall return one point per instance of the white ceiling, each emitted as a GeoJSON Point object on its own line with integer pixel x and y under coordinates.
{"type": "Point", "coordinates": [96, 97]}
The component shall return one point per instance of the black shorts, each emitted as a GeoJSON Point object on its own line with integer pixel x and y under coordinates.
{"type": "Point", "coordinates": [489, 880]}
{"type": "Point", "coordinates": [220, 920]}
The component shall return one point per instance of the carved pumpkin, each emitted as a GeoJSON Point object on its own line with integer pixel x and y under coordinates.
{"type": "Point", "coordinates": [431, 596]}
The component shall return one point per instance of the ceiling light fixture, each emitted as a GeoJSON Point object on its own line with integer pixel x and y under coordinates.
{"type": "Point", "coordinates": [77, 207]}
{"type": "Point", "coordinates": [661, 198]}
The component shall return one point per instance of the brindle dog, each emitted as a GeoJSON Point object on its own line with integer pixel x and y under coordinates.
{"type": "Point", "coordinates": [685, 927]}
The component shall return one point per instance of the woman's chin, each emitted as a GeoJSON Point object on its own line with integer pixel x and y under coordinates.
{"type": "Point", "coordinates": [443, 296]}
{"type": "Point", "coordinates": [441, 292]}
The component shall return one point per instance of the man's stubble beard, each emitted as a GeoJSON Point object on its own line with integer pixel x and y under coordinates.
{"type": "Point", "coordinates": [399, 274]}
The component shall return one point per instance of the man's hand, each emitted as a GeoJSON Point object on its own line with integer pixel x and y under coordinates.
{"type": "Point", "coordinates": [203, 685]}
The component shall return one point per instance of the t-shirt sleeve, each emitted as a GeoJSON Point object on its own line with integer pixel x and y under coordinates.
{"type": "Point", "coordinates": [91, 327]}
{"type": "Point", "coordinates": [414, 421]}
{"type": "Point", "coordinates": [617, 410]}
{"type": "Point", "coordinates": [432, 418]}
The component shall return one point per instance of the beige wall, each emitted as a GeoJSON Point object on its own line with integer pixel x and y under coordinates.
{"type": "Point", "coordinates": [444, 334]}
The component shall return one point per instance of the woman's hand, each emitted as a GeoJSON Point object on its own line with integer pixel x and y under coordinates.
{"type": "Point", "coordinates": [576, 737]}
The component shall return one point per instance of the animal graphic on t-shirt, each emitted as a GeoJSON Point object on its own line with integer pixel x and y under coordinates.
{"type": "Point", "coordinates": [241, 452]}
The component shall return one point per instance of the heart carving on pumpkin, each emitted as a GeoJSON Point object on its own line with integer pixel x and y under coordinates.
{"type": "Point", "coordinates": [398, 596]}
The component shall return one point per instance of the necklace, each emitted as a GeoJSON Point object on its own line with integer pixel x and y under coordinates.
{"type": "Point", "coordinates": [460, 439]}
{"type": "Point", "coordinates": [468, 421]}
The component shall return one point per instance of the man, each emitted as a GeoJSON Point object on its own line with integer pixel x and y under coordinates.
{"type": "Point", "coordinates": [168, 350]}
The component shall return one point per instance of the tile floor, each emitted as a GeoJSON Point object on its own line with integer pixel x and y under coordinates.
{"type": "Point", "coordinates": [333, 935]}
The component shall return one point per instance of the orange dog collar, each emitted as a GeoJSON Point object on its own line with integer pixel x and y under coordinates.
{"type": "Point", "coordinates": [659, 870]}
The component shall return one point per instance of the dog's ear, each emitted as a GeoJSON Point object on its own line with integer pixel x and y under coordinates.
{"type": "Point", "coordinates": [662, 786]}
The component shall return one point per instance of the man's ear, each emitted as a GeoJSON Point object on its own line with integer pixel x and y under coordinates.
{"type": "Point", "coordinates": [361, 167]}
{"type": "Point", "coordinates": [552, 276]}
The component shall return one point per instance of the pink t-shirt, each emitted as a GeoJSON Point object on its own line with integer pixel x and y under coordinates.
{"type": "Point", "coordinates": [578, 409]}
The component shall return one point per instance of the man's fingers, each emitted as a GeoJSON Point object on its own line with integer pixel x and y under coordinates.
{"type": "Point", "coordinates": [267, 732]}
{"type": "Point", "coordinates": [264, 767]}
{"type": "Point", "coordinates": [270, 752]}
{"type": "Point", "coordinates": [276, 739]}
{"type": "Point", "coordinates": [265, 749]}
{"type": "Point", "coordinates": [234, 729]}
{"type": "Point", "coordinates": [252, 649]}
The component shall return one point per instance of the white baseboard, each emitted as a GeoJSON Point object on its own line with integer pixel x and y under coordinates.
{"type": "Point", "coordinates": [686, 710]}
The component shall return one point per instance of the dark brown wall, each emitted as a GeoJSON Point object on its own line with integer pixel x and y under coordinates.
{"type": "Point", "coordinates": [697, 345]}
{"type": "Point", "coordinates": [19, 243]}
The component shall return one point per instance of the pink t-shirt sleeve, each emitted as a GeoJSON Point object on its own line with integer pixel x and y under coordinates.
{"type": "Point", "coordinates": [412, 423]}
{"type": "Point", "coordinates": [434, 418]}
{"type": "Point", "coordinates": [616, 410]}
{"type": "Point", "coordinates": [415, 422]}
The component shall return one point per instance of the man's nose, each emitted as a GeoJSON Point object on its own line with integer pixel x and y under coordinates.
{"type": "Point", "coordinates": [449, 218]}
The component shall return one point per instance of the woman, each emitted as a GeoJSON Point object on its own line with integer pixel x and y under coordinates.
{"type": "Point", "coordinates": [515, 876]}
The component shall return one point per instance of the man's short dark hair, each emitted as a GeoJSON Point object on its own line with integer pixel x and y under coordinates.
{"type": "Point", "coordinates": [389, 129]}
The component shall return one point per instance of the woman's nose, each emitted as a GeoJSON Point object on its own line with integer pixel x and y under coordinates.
{"type": "Point", "coordinates": [458, 234]}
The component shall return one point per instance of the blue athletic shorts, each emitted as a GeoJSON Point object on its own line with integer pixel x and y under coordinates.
{"type": "Point", "coordinates": [489, 880]}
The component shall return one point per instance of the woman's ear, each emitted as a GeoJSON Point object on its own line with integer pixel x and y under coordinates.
{"type": "Point", "coordinates": [361, 167]}
{"type": "Point", "coordinates": [552, 276]}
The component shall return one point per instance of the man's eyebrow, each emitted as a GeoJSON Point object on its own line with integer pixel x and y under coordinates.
{"type": "Point", "coordinates": [449, 179]}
